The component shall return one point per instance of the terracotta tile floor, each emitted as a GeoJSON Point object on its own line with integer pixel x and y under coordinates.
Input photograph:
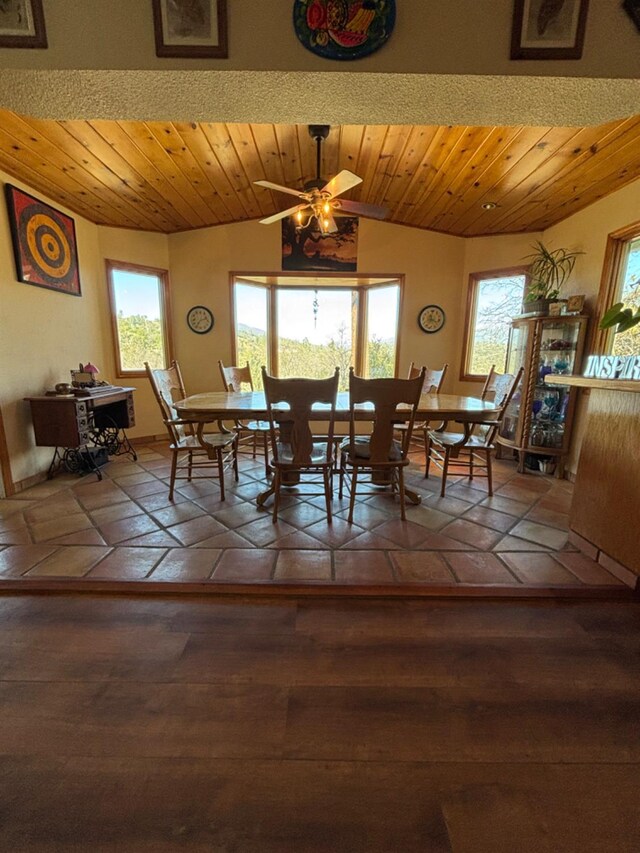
{"type": "Point", "coordinates": [125, 529]}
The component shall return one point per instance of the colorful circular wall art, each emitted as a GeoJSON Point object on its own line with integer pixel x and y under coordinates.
{"type": "Point", "coordinates": [343, 29]}
{"type": "Point", "coordinates": [44, 242]}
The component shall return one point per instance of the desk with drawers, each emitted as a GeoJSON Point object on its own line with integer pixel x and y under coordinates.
{"type": "Point", "coordinates": [76, 425]}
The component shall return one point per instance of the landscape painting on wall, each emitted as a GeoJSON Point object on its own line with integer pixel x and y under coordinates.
{"type": "Point", "coordinates": [305, 248]}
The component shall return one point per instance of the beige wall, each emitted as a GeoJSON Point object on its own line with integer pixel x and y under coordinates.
{"type": "Point", "coordinates": [465, 37]}
{"type": "Point", "coordinates": [43, 334]}
{"type": "Point", "coordinates": [201, 261]}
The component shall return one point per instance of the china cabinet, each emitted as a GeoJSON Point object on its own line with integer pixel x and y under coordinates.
{"type": "Point", "coordinates": [539, 418]}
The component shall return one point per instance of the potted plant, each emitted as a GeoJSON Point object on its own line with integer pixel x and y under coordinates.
{"type": "Point", "coordinates": [548, 270]}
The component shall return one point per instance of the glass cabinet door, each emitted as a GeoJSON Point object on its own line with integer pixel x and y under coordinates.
{"type": "Point", "coordinates": [516, 356]}
{"type": "Point", "coordinates": [557, 355]}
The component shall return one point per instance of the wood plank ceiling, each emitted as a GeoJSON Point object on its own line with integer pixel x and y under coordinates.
{"type": "Point", "coordinates": [175, 176]}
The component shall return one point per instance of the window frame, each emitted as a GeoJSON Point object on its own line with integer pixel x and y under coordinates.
{"type": "Point", "coordinates": [165, 313]}
{"type": "Point", "coordinates": [475, 278]}
{"type": "Point", "coordinates": [601, 340]}
{"type": "Point", "coordinates": [274, 282]}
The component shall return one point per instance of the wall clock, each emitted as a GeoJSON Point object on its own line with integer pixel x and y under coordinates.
{"type": "Point", "coordinates": [200, 319]}
{"type": "Point", "coordinates": [431, 319]}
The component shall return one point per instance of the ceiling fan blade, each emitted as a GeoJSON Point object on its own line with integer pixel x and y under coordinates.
{"type": "Point", "coordinates": [342, 182]}
{"type": "Point", "coordinates": [359, 208]}
{"type": "Point", "coordinates": [283, 213]}
{"type": "Point", "coordinates": [280, 189]}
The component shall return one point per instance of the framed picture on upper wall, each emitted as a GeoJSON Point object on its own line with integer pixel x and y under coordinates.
{"type": "Point", "coordinates": [548, 29]}
{"type": "Point", "coordinates": [193, 29]}
{"type": "Point", "coordinates": [22, 24]}
{"type": "Point", "coordinates": [44, 243]}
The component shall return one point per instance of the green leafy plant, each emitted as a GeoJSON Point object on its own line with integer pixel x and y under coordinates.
{"type": "Point", "coordinates": [549, 269]}
{"type": "Point", "coordinates": [619, 316]}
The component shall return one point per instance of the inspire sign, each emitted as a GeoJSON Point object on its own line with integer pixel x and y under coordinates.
{"type": "Point", "coordinates": [613, 367]}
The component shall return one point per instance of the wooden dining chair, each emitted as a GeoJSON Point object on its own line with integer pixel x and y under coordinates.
{"type": "Point", "coordinates": [472, 449]}
{"type": "Point", "coordinates": [379, 454]}
{"type": "Point", "coordinates": [433, 380]}
{"type": "Point", "coordinates": [296, 451]}
{"type": "Point", "coordinates": [187, 454]}
{"type": "Point", "coordinates": [251, 434]}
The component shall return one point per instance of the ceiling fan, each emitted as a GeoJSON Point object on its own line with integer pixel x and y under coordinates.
{"type": "Point", "coordinates": [319, 199]}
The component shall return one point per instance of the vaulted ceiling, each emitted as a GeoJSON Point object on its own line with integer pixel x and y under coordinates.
{"type": "Point", "coordinates": [175, 176]}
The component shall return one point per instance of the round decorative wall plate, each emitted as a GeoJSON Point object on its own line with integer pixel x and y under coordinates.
{"type": "Point", "coordinates": [200, 319]}
{"type": "Point", "coordinates": [431, 319]}
{"type": "Point", "coordinates": [343, 29]}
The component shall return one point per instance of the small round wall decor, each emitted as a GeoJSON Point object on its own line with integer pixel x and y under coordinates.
{"type": "Point", "coordinates": [200, 319]}
{"type": "Point", "coordinates": [431, 319]}
{"type": "Point", "coordinates": [343, 29]}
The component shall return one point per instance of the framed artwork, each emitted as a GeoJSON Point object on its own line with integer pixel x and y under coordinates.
{"type": "Point", "coordinates": [22, 24]}
{"type": "Point", "coordinates": [632, 8]}
{"type": "Point", "coordinates": [349, 29]}
{"type": "Point", "coordinates": [44, 243]}
{"type": "Point", "coordinates": [193, 29]}
{"type": "Point", "coordinates": [575, 304]}
{"type": "Point", "coordinates": [305, 248]}
{"type": "Point", "coordinates": [548, 30]}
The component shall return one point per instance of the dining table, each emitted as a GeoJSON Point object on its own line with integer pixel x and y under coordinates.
{"type": "Point", "coordinates": [219, 406]}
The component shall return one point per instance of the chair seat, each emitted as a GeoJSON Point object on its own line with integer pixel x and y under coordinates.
{"type": "Point", "coordinates": [318, 455]}
{"type": "Point", "coordinates": [449, 439]}
{"type": "Point", "coordinates": [404, 426]}
{"type": "Point", "coordinates": [361, 449]}
{"type": "Point", "coordinates": [217, 439]}
{"type": "Point", "coordinates": [253, 426]}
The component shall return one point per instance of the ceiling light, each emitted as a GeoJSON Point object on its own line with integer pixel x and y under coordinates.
{"type": "Point", "coordinates": [489, 205]}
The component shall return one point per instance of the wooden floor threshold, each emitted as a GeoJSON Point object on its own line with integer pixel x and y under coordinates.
{"type": "Point", "coordinates": [315, 590]}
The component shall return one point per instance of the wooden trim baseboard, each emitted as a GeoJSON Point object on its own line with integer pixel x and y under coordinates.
{"type": "Point", "coordinates": [5, 462]}
{"type": "Point", "coordinates": [312, 590]}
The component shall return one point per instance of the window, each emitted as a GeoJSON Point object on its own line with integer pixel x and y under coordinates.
{"type": "Point", "coordinates": [383, 304]}
{"type": "Point", "coordinates": [620, 283]}
{"type": "Point", "coordinates": [629, 293]}
{"type": "Point", "coordinates": [299, 326]}
{"type": "Point", "coordinates": [139, 300]}
{"type": "Point", "coordinates": [251, 329]}
{"type": "Point", "coordinates": [494, 299]}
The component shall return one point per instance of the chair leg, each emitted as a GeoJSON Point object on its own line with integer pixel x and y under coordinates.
{"type": "Point", "coordinates": [445, 469]}
{"type": "Point", "coordinates": [403, 514]}
{"type": "Point", "coordinates": [190, 466]}
{"type": "Point", "coordinates": [471, 463]}
{"type": "Point", "coordinates": [352, 497]}
{"type": "Point", "coordinates": [276, 495]}
{"type": "Point", "coordinates": [341, 476]}
{"type": "Point", "coordinates": [174, 466]}
{"type": "Point", "coordinates": [427, 453]}
{"type": "Point", "coordinates": [235, 459]}
{"type": "Point", "coordinates": [255, 444]}
{"type": "Point", "coordinates": [265, 446]}
{"type": "Point", "coordinates": [220, 471]}
{"type": "Point", "coordinates": [489, 473]}
{"type": "Point", "coordinates": [327, 491]}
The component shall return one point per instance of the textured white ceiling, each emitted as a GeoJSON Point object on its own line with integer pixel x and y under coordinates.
{"type": "Point", "coordinates": [326, 97]}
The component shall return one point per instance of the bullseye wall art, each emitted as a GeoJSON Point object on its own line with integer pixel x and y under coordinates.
{"type": "Point", "coordinates": [44, 243]}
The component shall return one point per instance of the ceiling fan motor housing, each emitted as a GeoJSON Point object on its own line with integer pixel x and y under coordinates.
{"type": "Point", "coordinates": [319, 131]}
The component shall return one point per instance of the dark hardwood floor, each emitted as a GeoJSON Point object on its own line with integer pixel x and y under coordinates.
{"type": "Point", "coordinates": [204, 724]}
